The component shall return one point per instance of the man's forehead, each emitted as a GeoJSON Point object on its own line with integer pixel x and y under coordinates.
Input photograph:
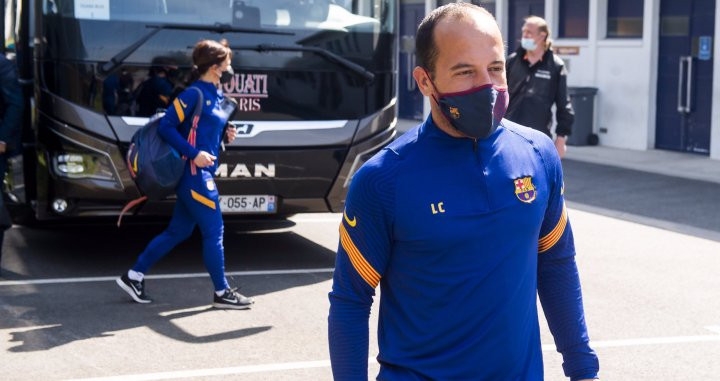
{"type": "Point", "coordinates": [474, 23]}
{"type": "Point", "coordinates": [530, 26]}
{"type": "Point", "coordinates": [469, 34]}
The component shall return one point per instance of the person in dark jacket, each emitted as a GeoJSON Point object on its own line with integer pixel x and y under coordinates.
{"type": "Point", "coordinates": [155, 93]}
{"type": "Point", "coordinates": [537, 79]}
{"type": "Point", "coordinates": [11, 111]}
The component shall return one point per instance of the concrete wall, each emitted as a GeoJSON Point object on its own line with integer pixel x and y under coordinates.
{"type": "Point", "coordinates": [624, 71]}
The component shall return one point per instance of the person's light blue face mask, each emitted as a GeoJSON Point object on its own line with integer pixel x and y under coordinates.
{"type": "Point", "coordinates": [528, 44]}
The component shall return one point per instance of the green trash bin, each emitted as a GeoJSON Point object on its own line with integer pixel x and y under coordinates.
{"type": "Point", "coordinates": [583, 102]}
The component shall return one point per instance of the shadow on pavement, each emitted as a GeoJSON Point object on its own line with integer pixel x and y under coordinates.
{"type": "Point", "coordinates": [44, 316]}
{"type": "Point", "coordinates": [66, 314]}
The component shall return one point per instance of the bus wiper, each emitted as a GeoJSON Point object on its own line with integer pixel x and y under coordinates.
{"type": "Point", "coordinates": [118, 59]}
{"type": "Point", "coordinates": [328, 55]}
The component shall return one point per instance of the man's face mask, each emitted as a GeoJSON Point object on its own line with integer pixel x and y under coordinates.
{"type": "Point", "coordinates": [227, 75]}
{"type": "Point", "coordinates": [476, 112]}
{"type": "Point", "coordinates": [528, 44]}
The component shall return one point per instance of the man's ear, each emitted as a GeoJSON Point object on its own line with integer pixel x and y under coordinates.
{"type": "Point", "coordinates": [423, 81]}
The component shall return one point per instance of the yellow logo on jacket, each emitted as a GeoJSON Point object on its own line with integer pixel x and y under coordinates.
{"type": "Point", "coordinates": [455, 112]}
{"type": "Point", "coordinates": [439, 208]}
{"type": "Point", "coordinates": [524, 189]}
{"type": "Point", "coordinates": [350, 222]}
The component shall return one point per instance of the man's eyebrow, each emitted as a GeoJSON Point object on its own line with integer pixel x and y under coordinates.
{"type": "Point", "coordinates": [461, 65]}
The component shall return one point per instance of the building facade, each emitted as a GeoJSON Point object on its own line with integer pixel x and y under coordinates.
{"type": "Point", "coordinates": [652, 62]}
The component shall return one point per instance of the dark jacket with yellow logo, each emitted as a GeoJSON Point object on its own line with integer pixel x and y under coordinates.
{"type": "Point", "coordinates": [534, 89]}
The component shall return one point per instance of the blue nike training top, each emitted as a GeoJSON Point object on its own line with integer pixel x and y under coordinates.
{"type": "Point", "coordinates": [461, 236]}
{"type": "Point", "coordinates": [174, 127]}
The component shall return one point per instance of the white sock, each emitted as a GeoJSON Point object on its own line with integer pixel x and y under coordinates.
{"type": "Point", "coordinates": [136, 276]}
{"type": "Point", "coordinates": [219, 293]}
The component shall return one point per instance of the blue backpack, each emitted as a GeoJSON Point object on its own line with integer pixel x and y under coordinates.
{"type": "Point", "coordinates": [154, 165]}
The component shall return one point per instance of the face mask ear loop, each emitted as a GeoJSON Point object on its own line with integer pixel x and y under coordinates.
{"type": "Point", "coordinates": [442, 112]}
{"type": "Point", "coordinates": [433, 85]}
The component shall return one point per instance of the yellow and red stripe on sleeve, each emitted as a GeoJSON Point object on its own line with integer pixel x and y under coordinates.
{"type": "Point", "coordinates": [361, 265]}
{"type": "Point", "coordinates": [547, 242]}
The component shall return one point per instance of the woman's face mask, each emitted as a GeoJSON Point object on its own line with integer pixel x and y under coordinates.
{"type": "Point", "coordinates": [226, 75]}
{"type": "Point", "coordinates": [476, 112]}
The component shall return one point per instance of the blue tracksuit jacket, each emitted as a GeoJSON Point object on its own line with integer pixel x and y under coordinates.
{"type": "Point", "coordinates": [461, 236]}
{"type": "Point", "coordinates": [197, 196]}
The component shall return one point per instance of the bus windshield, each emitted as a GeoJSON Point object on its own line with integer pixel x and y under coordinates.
{"type": "Point", "coordinates": [312, 15]}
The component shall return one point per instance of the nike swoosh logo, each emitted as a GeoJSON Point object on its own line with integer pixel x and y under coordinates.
{"type": "Point", "coordinates": [351, 223]}
{"type": "Point", "coordinates": [231, 300]}
{"type": "Point", "coordinates": [182, 103]}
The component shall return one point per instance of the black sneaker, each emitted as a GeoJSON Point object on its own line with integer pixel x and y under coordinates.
{"type": "Point", "coordinates": [232, 299]}
{"type": "Point", "coordinates": [134, 288]}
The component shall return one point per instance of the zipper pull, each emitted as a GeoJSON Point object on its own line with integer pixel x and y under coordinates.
{"type": "Point", "coordinates": [474, 145]}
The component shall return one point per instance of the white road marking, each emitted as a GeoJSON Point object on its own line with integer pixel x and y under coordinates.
{"type": "Point", "coordinates": [185, 310]}
{"type": "Point", "coordinates": [325, 219]}
{"type": "Point", "coordinates": [645, 341]}
{"type": "Point", "coordinates": [30, 328]}
{"type": "Point", "coordinates": [161, 276]}
{"type": "Point", "coordinates": [214, 371]}
{"type": "Point", "coordinates": [326, 363]}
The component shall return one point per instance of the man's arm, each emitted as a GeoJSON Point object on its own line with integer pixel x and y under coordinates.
{"type": "Point", "coordinates": [363, 251]}
{"type": "Point", "coordinates": [559, 282]}
{"type": "Point", "coordinates": [564, 114]}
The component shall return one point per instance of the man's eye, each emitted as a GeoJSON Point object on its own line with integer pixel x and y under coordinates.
{"type": "Point", "coordinates": [497, 68]}
{"type": "Point", "coordinates": [465, 72]}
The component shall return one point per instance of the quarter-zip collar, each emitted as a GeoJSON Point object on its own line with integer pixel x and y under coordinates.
{"type": "Point", "coordinates": [430, 130]}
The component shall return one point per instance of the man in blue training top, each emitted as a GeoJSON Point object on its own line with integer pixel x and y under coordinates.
{"type": "Point", "coordinates": [461, 221]}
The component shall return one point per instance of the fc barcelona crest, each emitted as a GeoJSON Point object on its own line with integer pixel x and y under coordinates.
{"type": "Point", "coordinates": [455, 112]}
{"type": "Point", "coordinates": [525, 190]}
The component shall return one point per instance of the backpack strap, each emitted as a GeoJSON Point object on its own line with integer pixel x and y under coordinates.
{"type": "Point", "coordinates": [192, 136]}
{"type": "Point", "coordinates": [129, 206]}
{"type": "Point", "coordinates": [191, 139]}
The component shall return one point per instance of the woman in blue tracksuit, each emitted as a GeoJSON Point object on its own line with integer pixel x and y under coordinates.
{"type": "Point", "coordinates": [197, 196]}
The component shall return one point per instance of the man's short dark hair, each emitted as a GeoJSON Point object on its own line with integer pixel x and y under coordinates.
{"type": "Point", "coordinates": [425, 48]}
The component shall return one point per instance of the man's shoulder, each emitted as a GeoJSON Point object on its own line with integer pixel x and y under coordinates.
{"type": "Point", "coordinates": [529, 136]}
{"type": "Point", "coordinates": [556, 59]}
{"type": "Point", "coordinates": [388, 161]}
{"type": "Point", "coordinates": [379, 167]}
{"type": "Point", "coordinates": [405, 145]}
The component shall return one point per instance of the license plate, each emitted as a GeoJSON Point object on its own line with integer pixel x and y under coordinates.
{"type": "Point", "coordinates": [248, 204]}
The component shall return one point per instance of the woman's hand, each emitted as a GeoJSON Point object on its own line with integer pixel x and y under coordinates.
{"type": "Point", "coordinates": [204, 159]}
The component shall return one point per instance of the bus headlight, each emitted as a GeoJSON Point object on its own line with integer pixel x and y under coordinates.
{"type": "Point", "coordinates": [83, 166]}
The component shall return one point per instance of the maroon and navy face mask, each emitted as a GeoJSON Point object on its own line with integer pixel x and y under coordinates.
{"type": "Point", "coordinates": [476, 112]}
